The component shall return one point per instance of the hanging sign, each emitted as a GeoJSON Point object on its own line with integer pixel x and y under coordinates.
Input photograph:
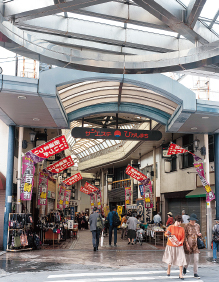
{"type": "Point", "coordinates": [148, 198]}
{"type": "Point", "coordinates": [67, 198]}
{"type": "Point", "coordinates": [85, 191]}
{"type": "Point", "coordinates": [127, 196]}
{"type": "Point", "coordinates": [99, 200]}
{"type": "Point", "coordinates": [116, 134]}
{"type": "Point", "coordinates": [61, 197]}
{"type": "Point", "coordinates": [134, 173]}
{"type": "Point", "coordinates": [92, 202]}
{"type": "Point", "coordinates": [141, 189]}
{"type": "Point", "coordinates": [119, 211]}
{"type": "Point", "coordinates": [43, 186]}
{"type": "Point", "coordinates": [51, 148]}
{"type": "Point", "coordinates": [27, 179]}
{"type": "Point", "coordinates": [74, 178]}
{"type": "Point", "coordinates": [176, 149]}
{"type": "Point", "coordinates": [90, 187]}
{"type": "Point", "coordinates": [61, 165]}
{"type": "Point", "coordinates": [140, 209]}
{"type": "Point", "coordinates": [200, 170]}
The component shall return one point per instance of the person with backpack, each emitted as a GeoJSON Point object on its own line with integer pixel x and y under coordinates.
{"type": "Point", "coordinates": [215, 239]}
{"type": "Point", "coordinates": [96, 226]}
{"type": "Point", "coordinates": [114, 222]}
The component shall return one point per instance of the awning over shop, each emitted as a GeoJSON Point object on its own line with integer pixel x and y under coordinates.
{"type": "Point", "coordinates": [199, 192]}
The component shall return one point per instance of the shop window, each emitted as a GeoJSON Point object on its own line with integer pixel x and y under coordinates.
{"type": "Point", "coordinates": [187, 158]}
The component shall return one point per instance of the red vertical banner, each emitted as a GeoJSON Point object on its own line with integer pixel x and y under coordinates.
{"type": "Point", "coordinates": [127, 196]}
{"type": "Point", "coordinates": [43, 187]}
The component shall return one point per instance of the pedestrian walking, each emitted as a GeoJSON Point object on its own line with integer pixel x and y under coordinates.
{"type": "Point", "coordinates": [174, 253]}
{"type": "Point", "coordinates": [96, 225]}
{"type": "Point", "coordinates": [114, 222]}
{"type": "Point", "coordinates": [123, 225]}
{"type": "Point", "coordinates": [157, 218]}
{"type": "Point", "coordinates": [170, 220]}
{"type": "Point", "coordinates": [192, 232]}
{"type": "Point", "coordinates": [132, 226]}
{"type": "Point", "coordinates": [215, 239]}
{"type": "Point", "coordinates": [185, 217]}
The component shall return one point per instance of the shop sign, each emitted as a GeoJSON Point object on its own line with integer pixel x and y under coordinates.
{"type": "Point", "coordinates": [90, 187]}
{"type": "Point", "coordinates": [61, 197]}
{"type": "Point", "coordinates": [27, 180]}
{"type": "Point", "coordinates": [127, 196]}
{"type": "Point", "coordinates": [119, 211]}
{"type": "Point", "coordinates": [51, 148]}
{"type": "Point", "coordinates": [61, 165]}
{"type": "Point", "coordinates": [200, 170]}
{"type": "Point", "coordinates": [67, 198]}
{"type": "Point", "coordinates": [134, 173]}
{"type": "Point", "coordinates": [141, 189]}
{"type": "Point", "coordinates": [85, 191]}
{"type": "Point", "coordinates": [43, 186]}
{"type": "Point", "coordinates": [72, 212]}
{"type": "Point", "coordinates": [176, 149]}
{"type": "Point", "coordinates": [116, 134]}
{"type": "Point", "coordinates": [140, 209]}
{"type": "Point", "coordinates": [74, 178]}
{"type": "Point", "coordinates": [99, 201]}
{"type": "Point", "coordinates": [131, 207]}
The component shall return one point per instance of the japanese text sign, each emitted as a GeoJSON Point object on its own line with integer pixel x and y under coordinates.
{"type": "Point", "coordinates": [92, 202]}
{"type": "Point", "coordinates": [116, 134]}
{"type": "Point", "coordinates": [67, 198]}
{"type": "Point", "coordinates": [99, 200]}
{"type": "Point", "coordinates": [61, 197]}
{"type": "Point", "coordinates": [127, 196]}
{"type": "Point", "coordinates": [134, 173]}
{"type": "Point", "coordinates": [200, 170]}
{"type": "Point", "coordinates": [90, 187]}
{"type": "Point", "coordinates": [43, 186]}
{"type": "Point", "coordinates": [61, 165]}
{"type": "Point", "coordinates": [82, 189]}
{"type": "Point", "coordinates": [74, 178]}
{"type": "Point", "coordinates": [51, 148]}
{"type": "Point", "coordinates": [27, 180]}
{"type": "Point", "coordinates": [176, 149]}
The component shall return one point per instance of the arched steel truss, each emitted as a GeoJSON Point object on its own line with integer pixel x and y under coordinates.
{"type": "Point", "coordinates": [35, 29]}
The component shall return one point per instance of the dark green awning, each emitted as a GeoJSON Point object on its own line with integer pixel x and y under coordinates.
{"type": "Point", "coordinates": [199, 192]}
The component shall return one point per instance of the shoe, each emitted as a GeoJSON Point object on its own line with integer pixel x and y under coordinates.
{"type": "Point", "coordinates": [181, 278]}
{"type": "Point", "coordinates": [95, 249]}
{"type": "Point", "coordinates": [214, 260]}
{"type": "Point", "coordinates": [115, 245]}
{"type": "Point", "coordinates": [168, 274]}
{"type": "Point", "coordinates": [129, 243]}
{"type": "Point", "coordinates": [196, 276]}
{"type": "Point", "coordinates": [184, 271]}
{"type": "Point", "coordinates": [132, 243]}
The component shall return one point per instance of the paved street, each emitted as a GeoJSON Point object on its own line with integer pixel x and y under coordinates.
{"type": "Point", "coordinates": [79, 263]}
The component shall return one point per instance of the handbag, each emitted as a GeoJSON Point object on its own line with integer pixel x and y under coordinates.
{"type": "Point", "coordinates": [17, 241]}
{"type": "Point", "coordinates": [23, 239]}
{"type": "Point", "coordinates": [200, 243]}
{"type": "Point", "coordinates": [101, 240]}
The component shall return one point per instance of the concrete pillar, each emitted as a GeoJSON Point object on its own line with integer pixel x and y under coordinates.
{"type": "Point", "coordinates": [216, 172]}
{"type": "Point", "coordinates": [20, 139]}
{"type": "Point", "coordinates": [9, 183]}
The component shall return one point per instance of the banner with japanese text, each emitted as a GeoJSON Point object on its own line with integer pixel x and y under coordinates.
{"type": "Point", "coordinates": [61, 165]}
{"type": "Point", "coordinates": [85, 191]}
{"type": "Point", "coordinates": [127, 196]}
{"type": "Point", "coordinates": [90, 187]}
{"type": "Point", "coordinates": [148, 195]}
{"type": "Point", "coordinates": [99, 200]}
{"type": "Point", "coordinates": [48, 149]}
{"type": "Point", "coordinates": [119, 211]}
{"type": "Point", "coordinates": [61, 197]}
{"type": "Point", "coordinates": [134, 173]}
{"type": "Point", "coordinates": [200, 170]}
{"type": "Point", "coordinates": [92, 202]}
{"type": "Point", "coordinates": [74, 178]}
{"type": "Point", "coordinates": [27, 180]}
{"type": "Point", "coordinates": [176, 149]}
{"type": "Point", "coordinates": [67, 198]}
{"type": "Point", "coordinates": [43, 187]}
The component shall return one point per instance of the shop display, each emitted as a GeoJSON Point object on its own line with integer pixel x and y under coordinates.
{"type": "Point", "coordinates": [20, 233]}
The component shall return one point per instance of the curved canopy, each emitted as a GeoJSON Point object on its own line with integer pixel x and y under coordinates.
{"type": "Point", "coordinates": [140, 36]}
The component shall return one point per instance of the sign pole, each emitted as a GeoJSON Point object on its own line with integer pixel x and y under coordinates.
{"type": "Point", "coordinates": [155, 176]}
{"type": "Point", "coordinates": [18, 206]}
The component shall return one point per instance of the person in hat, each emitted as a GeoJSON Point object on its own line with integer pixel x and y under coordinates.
{"type": "Point", "coordinates": [215, 239]}
{"type": "Point", "coordinates": [170, 220]}
{"type": "Point", "coordinates": [192, 232]}
{"type": "Point", "coordinates": [94, 229]}
{"type": "Point", "coordinates": [174, 253]}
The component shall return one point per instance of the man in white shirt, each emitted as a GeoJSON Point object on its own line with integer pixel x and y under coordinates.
{"type": "Point", "coordinates": [157, 218]}
{"type": "Point", "coordinates": [185, 217]}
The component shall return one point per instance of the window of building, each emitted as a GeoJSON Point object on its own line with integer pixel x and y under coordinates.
{"type": "Point", "coordinates": [211, 147]}
{"type": "Point", "coordinates": [187, 158]}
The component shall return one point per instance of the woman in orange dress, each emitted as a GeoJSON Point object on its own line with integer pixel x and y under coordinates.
{"type": "Point", "coordinates": [174, 253]}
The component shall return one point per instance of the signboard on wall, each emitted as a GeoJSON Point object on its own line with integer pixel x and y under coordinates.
{"type": "Point", "coordinates": [116, 134]}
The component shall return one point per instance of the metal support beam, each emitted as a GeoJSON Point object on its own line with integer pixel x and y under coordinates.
{"type": "Point", "coordinates": [120, 93]}
{"type": "Point", "coordinates": [216, 171]}
{"type": "Point", "coordinates": [21, 133]}
{"type": "Point", "coordinates": [22, 10]}
{"type": "Point", "coordinates": [9, 183]}
{"type": "Point", "coordinates": [214, 19]}
{"type": "Point", "coordinates": [155, 176]}
{"type": "Point", "coordinates": [193, 11]}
